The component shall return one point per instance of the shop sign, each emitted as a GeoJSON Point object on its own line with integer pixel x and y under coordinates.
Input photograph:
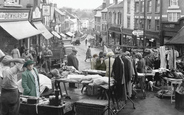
{"type": "Point", "coordinates": [169, 25]}
{"type": "Point", "coordinates": [13, 15]}
{"type": "Point", "coordinates": [115, 29]}
{"type": "Point", "coordinates": [36, 13]}
{"type": "Point", "coordinates": [46, 10]}
{"type": "Point", "coordinates": [138, 33]}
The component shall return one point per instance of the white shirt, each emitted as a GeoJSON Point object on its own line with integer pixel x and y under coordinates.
{"type": "Point", "coordinates": [10, 76]}
{"type": "Point", "coordinates": [36, 83]}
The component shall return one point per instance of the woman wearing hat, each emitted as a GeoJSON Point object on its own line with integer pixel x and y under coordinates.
{"type": "Point", "coordinates": [10, 94]}
{"type": "Point", "coordinates": [109, 54]}
{"type": "Point", "coordinates": [30, 80]}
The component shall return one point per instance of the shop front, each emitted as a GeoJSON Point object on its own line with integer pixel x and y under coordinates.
{"type": "Point", "coordinates": [127, 37]}
{"type": "Point", "coordinates": [14, 28]}
{"type": "Point", "coordinates": [115, 36]}
{"type": "Point", "coordinates": [152, 39]}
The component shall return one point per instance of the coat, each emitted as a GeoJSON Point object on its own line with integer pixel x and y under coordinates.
{"type": "Point", "coordinates": [28, 83]}
{"type": "Point", "coordinates": [88, 53]}
{"type": "Point", "coordinates": [107, 65]}
{"type": "Point", "coordinates": [100, 66]}
{"type": "Point", "coordinates": [73, 61]}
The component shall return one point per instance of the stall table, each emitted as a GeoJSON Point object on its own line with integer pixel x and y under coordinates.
{"type": "Point", "coordinates": [173, 88]}
{"type": "Point", "coordinates": [45, 109]}
{"type": "Point", "coordinates": [90, 71]}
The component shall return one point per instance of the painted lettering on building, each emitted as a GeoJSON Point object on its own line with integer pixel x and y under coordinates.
{"type": "Point", "coordinates": [14, 16]}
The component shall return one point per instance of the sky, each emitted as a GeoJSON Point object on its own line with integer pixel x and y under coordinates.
{"type": "Point", "coordinates": [81, 4]}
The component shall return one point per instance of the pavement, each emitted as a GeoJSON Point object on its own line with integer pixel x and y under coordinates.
{"type": "Point", "coordinates": [152, 105]}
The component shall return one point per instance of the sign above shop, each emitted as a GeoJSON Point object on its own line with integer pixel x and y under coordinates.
{"type": "Point", "coordinates": [46, 10]}
{"type": "Point", "coordinates": [138, 33]}
{"type": "Point", "coordinates": [115, 29]}
{"type": "Point", "coordinates": [169, 25]}
{"type": "Point", "coordinates": [36, 13]}
{"type": "Point", "coordinates": [14, 15]}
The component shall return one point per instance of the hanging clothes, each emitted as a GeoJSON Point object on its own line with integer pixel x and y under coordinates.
{"type": "Point", "coordinates": [172, 55]}
{"type": "Point", "coordinates": [128, 69]}
{"type": "Point", "coordinates": [118, 74]}
{"type": "Point", "coordinates": [162, 57]}
{"type": "Point", "coordinates": [130, 72]}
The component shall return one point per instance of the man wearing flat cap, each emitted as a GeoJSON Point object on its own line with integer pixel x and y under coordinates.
{"type": "Point", "coordinates": [73, 61]}
{"type": "Point", "coordinates": [10, 94]}
{"type": "Point", "coordinates": [30, 80]}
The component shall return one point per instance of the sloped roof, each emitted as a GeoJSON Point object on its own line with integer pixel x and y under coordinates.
{"type": "Point", "coordinates": [178, 39]}
{"type": "Point", "coordinates": [119, 5]}
{"type": "Point", "coordinates": [98, 8]}
{"type": "Point", "coordinates": [106, 9]}
{"type": "Point", "coordinates": [59, 11]}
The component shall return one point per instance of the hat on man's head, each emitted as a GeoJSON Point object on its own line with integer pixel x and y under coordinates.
{"type": "Point", "coordinates": [6, 60]}
{"type": "Point", "coordinates": [74, 50]}
{"type": "Point", "coordinates": [28, 62]}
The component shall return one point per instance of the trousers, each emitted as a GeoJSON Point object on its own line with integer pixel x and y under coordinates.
{"type": "Point", "coordinates": [10, 100]}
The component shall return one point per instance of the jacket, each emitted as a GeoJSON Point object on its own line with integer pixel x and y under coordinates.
{"type": "Point", "coordinates": [28, 83]}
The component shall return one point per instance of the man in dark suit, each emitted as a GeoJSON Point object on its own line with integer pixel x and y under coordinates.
{"type": "Point", "coordinates": [73, 61]}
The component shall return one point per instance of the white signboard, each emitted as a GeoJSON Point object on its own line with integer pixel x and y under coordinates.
{"type": "Point", "coordinates": [46, 10]}
{"type": "Point", "coordinates": [138, 32]}
{"type": "Point", "coordinates": [36, 13]}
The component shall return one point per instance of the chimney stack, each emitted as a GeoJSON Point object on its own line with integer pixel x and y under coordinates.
{"type": "Point", "coordinates": [115, 1]}
{"type": "Point", "coordinates": [103, 5]}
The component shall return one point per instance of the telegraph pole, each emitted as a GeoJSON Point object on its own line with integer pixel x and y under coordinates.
{"type": "Point", "coordinates": [144, 29]}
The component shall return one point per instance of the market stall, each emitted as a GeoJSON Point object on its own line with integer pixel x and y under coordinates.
{"type": "Point", "coordinates": [62, 101]}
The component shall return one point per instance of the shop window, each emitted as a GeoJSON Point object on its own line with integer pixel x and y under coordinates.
{"type": "Point", "coordinates": [173, 16]}
{"type": "Point", "coordinates": [136, 23]}
{"type": "Point", "coordinates": [157, 6]}
{"type": "Point", "coordinates": [142, 6]}
{"type": "Point", "coordinates": [114, 21]}
{"type": "Point", "coordinates": [119, 17]}
{"type": "Point", "coordinates": [137, 7]}
{"type": "Point", "coordinates": [128, 7]}
{"type": "Point", "coordinates": [157, 25]}
{"type": "Point", "coordinates": [110, 17]}
{"type": "Point", "coordinates": [149, 6]}
{"type": "Point", "coordinates": [128, 22]}
{"type": "Point", "coordinates": [149, 23]}
{"type": "Point", "coordinates": [142, 23]}
{"type": "Point", "coordinates": [105, 16]}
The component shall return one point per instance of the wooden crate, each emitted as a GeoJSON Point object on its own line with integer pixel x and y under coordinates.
{"type": "Point", "coordinates": [90, 107]}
